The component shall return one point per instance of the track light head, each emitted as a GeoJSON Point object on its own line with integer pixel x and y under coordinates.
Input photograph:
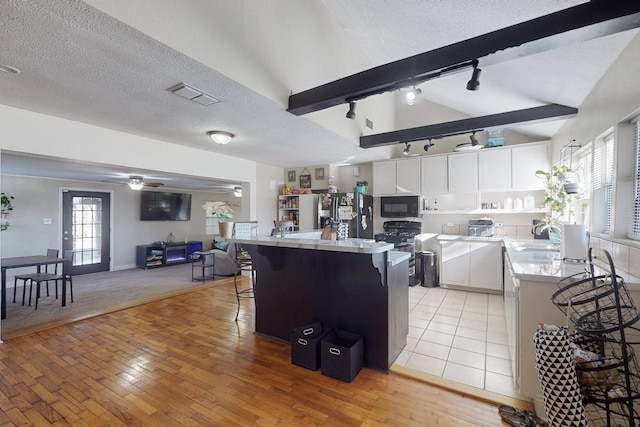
{"type": "Point", "coordinates": [473, 139]}
{"type": "Point", "coordinates": [429, 145]}
{"type": "Point", "coordinates": [411, 96]}
{"type": "Point", "coordinates": [407, 149]}
{"type": "Point", "coordinates": [351, 114]}
{"type": "Point", "coordinates": [474, 83]}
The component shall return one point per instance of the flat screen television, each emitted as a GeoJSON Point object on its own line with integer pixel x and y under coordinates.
{"type": "Point", "coordinates": [157, 206]}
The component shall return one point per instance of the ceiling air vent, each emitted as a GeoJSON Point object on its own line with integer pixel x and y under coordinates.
{"type": "Point", "coordinates": [195, 95]}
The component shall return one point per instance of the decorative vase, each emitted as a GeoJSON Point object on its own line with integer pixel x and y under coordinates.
{"type": "Point", "coordinates": [226, 229]}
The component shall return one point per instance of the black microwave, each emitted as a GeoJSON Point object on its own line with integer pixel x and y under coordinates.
{"type": "Point", "coordinates": [400, 206]}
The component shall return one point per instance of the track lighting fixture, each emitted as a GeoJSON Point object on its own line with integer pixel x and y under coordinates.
{"type": "Point", "coordinates": [237, 191]}
{"type": "Point", "coordinates": [474, 83]}
{"type": "Point", "coordinates": [474, 140]}
{"type": "Point", "coordinates": [407, 149]}
{"type": "Point", "coordinates": [410, 97]}
{"type": "Point", "coordinates": [351, 114]}
{"type": "Point", "coordinates": [429, 145]}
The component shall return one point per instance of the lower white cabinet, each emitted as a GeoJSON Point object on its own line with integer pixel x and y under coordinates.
{"type": "Point", "coordinates": [471, 264]}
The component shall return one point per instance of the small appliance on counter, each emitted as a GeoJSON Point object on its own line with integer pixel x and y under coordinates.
{"type": "Point", "coordinates": [540, 230]}
{"type": "Point", "coordinates": [482, 227]}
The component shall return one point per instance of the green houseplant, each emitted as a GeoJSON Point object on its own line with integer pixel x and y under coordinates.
{"type": "Point", "coordinates": [556, 199]}
{"type": "Point", "coordinates": [6, 209]}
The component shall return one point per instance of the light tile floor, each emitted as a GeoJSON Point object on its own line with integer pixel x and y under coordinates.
{"type": "Point", "coordinates": [459, 336]}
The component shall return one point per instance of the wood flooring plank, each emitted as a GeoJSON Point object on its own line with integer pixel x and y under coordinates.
{"type": "Point", "coordinates": [184, 361]}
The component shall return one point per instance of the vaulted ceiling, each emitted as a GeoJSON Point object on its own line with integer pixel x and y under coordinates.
{"type": "Point", "coordinates": [110, 63]}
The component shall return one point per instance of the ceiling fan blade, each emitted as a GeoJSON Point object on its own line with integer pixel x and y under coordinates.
{"type": "Point", "coordinates": [153, 184]}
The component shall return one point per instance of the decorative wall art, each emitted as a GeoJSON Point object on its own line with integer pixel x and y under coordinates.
{"type": "Point", "coordinates": [292, 176]}
{"type": "Point", "coordinates": [320, 174]}
{"type": "Point", "coordinates": [305, 179]}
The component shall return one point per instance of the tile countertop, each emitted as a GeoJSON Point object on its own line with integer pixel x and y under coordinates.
{"type": "Point", "coordinates": [537, 261]}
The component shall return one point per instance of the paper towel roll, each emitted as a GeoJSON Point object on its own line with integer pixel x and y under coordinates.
{"type": "Point", "coordinates": [574, 243]}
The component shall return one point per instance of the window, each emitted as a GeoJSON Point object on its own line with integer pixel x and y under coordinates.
{"type": "Point", "coordinates": [634, 233]}
{"type": "Point", "coordinates": [584, 169]}
{"type": "Point", "coordinates": [603, 184]}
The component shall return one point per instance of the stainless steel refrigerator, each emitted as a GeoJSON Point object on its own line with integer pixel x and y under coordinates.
{"type": "Point", "coordinates": [353, 210]}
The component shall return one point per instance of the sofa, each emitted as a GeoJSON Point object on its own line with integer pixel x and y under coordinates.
{"type": "Point", "coordinates": [225, 258]}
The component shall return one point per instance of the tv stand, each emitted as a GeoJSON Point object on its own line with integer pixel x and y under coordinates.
{"type": "Point", "coordinates": [162, 255]}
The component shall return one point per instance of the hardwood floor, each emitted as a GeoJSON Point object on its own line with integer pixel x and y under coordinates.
{"type": "Point", "coordinates": [184, 361]}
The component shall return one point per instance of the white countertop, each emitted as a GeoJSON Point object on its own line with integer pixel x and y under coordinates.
{"type": "Point", "coordinates": [541, 262]}
{"type": "Point", "coordinates": [455, 237]}
{"type": "Point", "coordinates": [347, 245]}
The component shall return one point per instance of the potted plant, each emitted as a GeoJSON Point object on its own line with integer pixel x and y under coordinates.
{"type": "Point", "coordinates": [6, 209]}
{"type": "Point", "coordinates": [223, 211]}
{"type": "Point", "coordinates": [556, 198]}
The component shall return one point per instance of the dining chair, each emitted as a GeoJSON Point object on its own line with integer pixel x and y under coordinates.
{"type": "Point", "coordinates": [49, 270]}
{"type": "Point", "coordinates": [244, 262]}
{"type": "Point", "coordinates": [68, 260]}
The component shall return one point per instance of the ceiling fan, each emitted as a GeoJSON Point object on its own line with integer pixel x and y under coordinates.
{"type": "Point", "coordinates": [136, 182]}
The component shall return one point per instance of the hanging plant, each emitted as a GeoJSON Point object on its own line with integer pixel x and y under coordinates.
{"type": "Point", "coordinates": [6, 209]}
{"type": "Point", "coordinates": [556, 198]}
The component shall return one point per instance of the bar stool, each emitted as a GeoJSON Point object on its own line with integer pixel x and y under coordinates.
{"type": "Point", "coordinates": [243, 259]}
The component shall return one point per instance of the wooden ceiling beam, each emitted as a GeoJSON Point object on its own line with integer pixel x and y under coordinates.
{"type": "Point", "coordinates": [457, 127]}
{"type": "Point", "coordinates": [579, 23]}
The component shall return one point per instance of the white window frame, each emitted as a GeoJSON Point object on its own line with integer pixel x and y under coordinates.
{"type": "Point", "coordinates": [634, 226]}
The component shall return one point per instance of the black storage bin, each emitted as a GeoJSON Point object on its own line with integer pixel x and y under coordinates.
{"type": "Point", "coordinates": [305, 345]}
{"type": "Point", "coordinates": [342, 355]}
{"type": "Point", "coordinates": [426, 262]}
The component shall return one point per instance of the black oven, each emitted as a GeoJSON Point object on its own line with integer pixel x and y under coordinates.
{"type": "Point", "coordinates": [400, 206]}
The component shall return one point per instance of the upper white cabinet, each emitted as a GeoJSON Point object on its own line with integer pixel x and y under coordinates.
{"type": "Point", "coordinates": [400, 176]}
{"type": "Point", "coordinates": [494, 169]}
{"type": "Point", "coordinates": [384, 177]}
{"type": "Point", "coordinates": [433, 170]}
{"type": "Point", "coordinates": [526, 159]}
{"type": "Point", "coordinates": [463, 172]}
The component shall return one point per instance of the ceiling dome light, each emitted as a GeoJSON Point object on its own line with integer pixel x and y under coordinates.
{"type": "Point", "coordinates": [411, 96]}
{"type": "Point", "coordinates": [220, 137]}
{"type": "Point", "coordinates": [135, 182]}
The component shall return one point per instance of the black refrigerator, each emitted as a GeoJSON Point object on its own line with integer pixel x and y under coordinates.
{"type": "Point", "coordinates": [353, 210]}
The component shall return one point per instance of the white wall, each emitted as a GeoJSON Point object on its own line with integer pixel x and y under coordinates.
{"type": "Point", "coordinates": [39, 198]}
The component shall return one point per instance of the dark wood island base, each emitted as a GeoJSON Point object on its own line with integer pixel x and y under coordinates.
{"type": "Point", "coordinates": [362, 293]}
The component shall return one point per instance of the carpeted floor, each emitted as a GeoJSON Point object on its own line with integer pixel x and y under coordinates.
{"type": "Point", "coordinates": [99, 293]}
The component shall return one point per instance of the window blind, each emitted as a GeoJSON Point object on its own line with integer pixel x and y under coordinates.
{"type": "Point", "coordinates": [634, 233]}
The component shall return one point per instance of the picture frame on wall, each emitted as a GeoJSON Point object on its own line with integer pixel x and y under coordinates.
{"type": "Point", "coordinates": [292, 176]}
{"type": "Point", "coordinates": [320, 174]}
{"type": "Point", "coordinates": [305, 179]}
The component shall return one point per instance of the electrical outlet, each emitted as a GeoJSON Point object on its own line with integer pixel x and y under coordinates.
{"type": "Point", "coordinates": [498, 224]}
{"type": "Point", "coordinates": [449, 224]}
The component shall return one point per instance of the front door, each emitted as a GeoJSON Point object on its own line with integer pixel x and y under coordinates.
{"type": "Point", "coordinates": [86, 230]}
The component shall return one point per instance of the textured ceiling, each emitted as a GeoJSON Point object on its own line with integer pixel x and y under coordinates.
{"type": "Point", "coordinates": [82, 64]}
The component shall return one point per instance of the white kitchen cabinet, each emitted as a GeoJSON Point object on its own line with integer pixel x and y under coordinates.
{"type": "Point", "coordinates": [474, 265]}
{"type": "Point", "coordinates": [302, 209]}
{"type": "Point", "coordinates": [485, 265]}
{"type": "Point", "coordinates": [384, 177]}
{"type": "Point", "coordinates": [526, 159]}
{"type": "Point", "coordinates": [433, 172]}
{"type": "Point", "coordinates": [408, 176]}
{"type": "Point", "coordinates": [401, 176]}
{"type": "Point", "coordinates": [494, 169]}
{"type": "Point", "coordinates": [463, 172]}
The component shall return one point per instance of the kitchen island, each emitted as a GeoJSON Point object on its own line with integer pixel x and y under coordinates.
{"type": "Point", "coordinates": [355, 285]}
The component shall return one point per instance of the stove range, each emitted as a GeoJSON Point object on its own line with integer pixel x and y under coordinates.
{"type": "Point", "coordinates": [402, 234]}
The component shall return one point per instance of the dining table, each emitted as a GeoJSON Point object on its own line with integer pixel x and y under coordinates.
{"type": "Point", "coordinates": [29, 261]}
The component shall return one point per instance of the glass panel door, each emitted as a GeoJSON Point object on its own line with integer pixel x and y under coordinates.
{"type": "Point", "coordinates": [86, 228]}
